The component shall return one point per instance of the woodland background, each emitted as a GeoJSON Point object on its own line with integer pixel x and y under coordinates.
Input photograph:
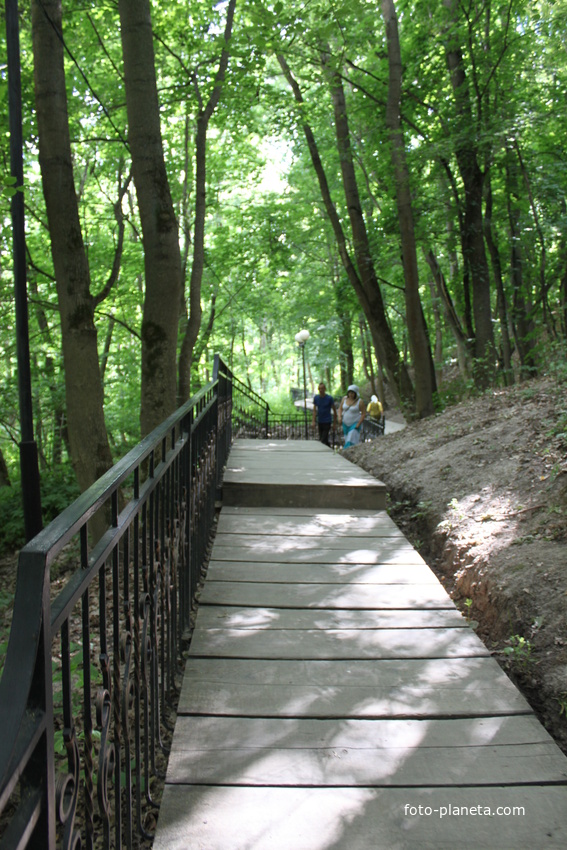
{"type": "Point", "coordinates": [206, 177]}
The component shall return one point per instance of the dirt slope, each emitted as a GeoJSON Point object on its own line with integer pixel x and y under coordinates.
{"type": "Point", "coordinates": [481, 490]}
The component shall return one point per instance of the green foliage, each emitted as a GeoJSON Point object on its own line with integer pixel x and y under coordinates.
{"type": "Point", "coordinates": [451, 392]}
{"type": "Point", "coordinates": [562, 702]}
{"type": "Point", "coordinates": [11, 518]}
{"type": "Point", "coordinates": [519, 652]}
{"type": "Point", "coordinates": [77, 684]}
{"type": "Point", "coordinates": [272, 264]}
{"type": "Point", "coordinates": [58, 490]}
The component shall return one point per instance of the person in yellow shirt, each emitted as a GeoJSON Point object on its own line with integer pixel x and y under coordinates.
{"type": "Point", "coordinates": [374, 408]}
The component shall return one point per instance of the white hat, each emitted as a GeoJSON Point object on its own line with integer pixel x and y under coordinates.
{"type": "Point", "coordinates": [353, 389]}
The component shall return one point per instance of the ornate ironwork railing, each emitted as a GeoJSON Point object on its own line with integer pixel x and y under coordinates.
{"type": "Point", "coordinates": [91, 676]}
{"type": "Point", "coordinates": [253, 419]}
{"type": "Point", "coordinates": [92, 666]}
{"type": "Point", "coordinates": [372, 428]}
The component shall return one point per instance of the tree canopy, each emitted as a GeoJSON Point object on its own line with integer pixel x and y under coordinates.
{"type": "Point", "coordinates": [390, 175]}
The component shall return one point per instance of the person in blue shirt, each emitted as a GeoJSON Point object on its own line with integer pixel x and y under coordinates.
{"type": "Point", "coordinates": [324, 413]}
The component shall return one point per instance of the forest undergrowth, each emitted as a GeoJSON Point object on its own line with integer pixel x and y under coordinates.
{"type": "Point", "coordinates": [481, 491]}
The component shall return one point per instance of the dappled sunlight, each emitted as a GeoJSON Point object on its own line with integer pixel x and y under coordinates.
{"type": "Point", "coordinates": [312, 596]}
{"type": "Point", "coordinates": [337, 524]}
{"type": "Point", "coordinates": [331, 680]}
{"type": "Point", "coordinates": [251, 618]}
{"type": "Point", "coordinates": [484, 520]}
{"type": "Point", "coordinates": [321, 573]}
{"type": "Point", "coordinates": [337, 643]}
{"type": "Point", "coordinates": [315, 551]}
{"type": "Point", "coordinates": [404, 554]}
{"type": "Point", "coordinates": [262, 818]}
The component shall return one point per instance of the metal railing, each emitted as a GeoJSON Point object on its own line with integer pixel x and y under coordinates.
{"type": "Point", "coordinates": [91, 673]}
{"type": "Point", "coordinates": [91, 677]}
{"type": "Point", "coordinates": [253, 419]}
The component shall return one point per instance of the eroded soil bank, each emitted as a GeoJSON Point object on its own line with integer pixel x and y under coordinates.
{"type": "Point", "coordinates": [481, 491]}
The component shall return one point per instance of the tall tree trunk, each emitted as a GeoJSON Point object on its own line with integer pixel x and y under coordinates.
{"type": "Point", "coordinates": [162, 259]}
{"type": "Point", "coordinates": [58, 406]}
{"type": "Point", "coordinates": [435, 306]}
{"type": "Point", "coordinates": [4, 474]}
{"type": "Point", "coordinates": [563, 303]}
{"type": "Point", "coordinates": [368, 294]}
{"type": "Point", "coordinates": [419, 346]}
{"type": "Point", "coordinates": [543, 289]}
{"type": "Point", "coordinates": [344, 318]}
{"type": "Point", "coordinates": [388, 354]}
{"type": "Point", "coordinates": [450, 314]}
{"type": "Point", "coordinates": [204, 116]}
{"type": "Point", "coordinates": [88, 440]}
{"type": "Point", "coordinates": [367, 364]}
{"type": "Point", "coordinates": [369, 297]}
{"type": "Point", "coordinates": [521, 319]}
{"type": "Point", "coordinates": [501, 305]}
{"type": "Point", "coordinates": [474, 254]}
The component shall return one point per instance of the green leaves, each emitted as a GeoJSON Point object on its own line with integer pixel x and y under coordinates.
{"type": "Point", "coordinates": [8, 187]}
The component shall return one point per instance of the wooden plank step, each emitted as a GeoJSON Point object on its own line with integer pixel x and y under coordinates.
{"type": "Point", "coordinates": [468, 818]}
{"type": "Point", "coordinates": [327, 493]}
{"type": "Point", "coordinates": [276, 571]}
{"type": "Point", "coordinates": [301, 522]}
{"type": "Point", "coordinates": [212, 616]}
{"type": "Point", "coordinates": [439, 687]}
{"type": "Point", "coordinates": [309, 543]}
{"type": "Point", "coordinates": [305, 513]}
{"type": "Point", "coordinates": [353, 596]}
{"type": "Point", "coordinates": [278, 474]}
{"type": "Point", "coordinates": [408, 753]}
{"type": "Point", "coordinates": [337, 644]}
{"type": "Point", "coordinates": [286, 551]}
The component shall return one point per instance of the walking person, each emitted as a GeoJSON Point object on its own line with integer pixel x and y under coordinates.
{"type": "Point", "coordinates": [324, 413]}
{"type": "Point", "coordinates": [351, 416]}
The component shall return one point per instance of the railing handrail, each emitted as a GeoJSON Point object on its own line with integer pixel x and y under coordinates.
{"type": "Point", "coordinates": [159, 540]}
{"type": "Point", "coordinates": [26, 680]}
{"type": "Point", "coordinates": [63, 527]}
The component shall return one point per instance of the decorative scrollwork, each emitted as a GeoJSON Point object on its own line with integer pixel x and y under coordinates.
{"type": "Point", "coordinates": [107, 755]}
{"type": "Point", "coordinates": [67, 793]}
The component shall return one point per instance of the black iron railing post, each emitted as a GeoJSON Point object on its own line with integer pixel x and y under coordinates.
{"type": "Point", "coordinates": [121, 616]}
{"type": "Point", "coordinates": [28, 449]}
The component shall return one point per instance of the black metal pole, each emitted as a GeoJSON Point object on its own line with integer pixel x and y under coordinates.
{"type": "Point", "coordinates": [28, 449]}
{"type": "Point", "coordinates": [304, 393]}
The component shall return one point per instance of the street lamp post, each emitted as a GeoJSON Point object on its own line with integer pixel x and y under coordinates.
{"type": "Point", "coordinates": [301, 338]}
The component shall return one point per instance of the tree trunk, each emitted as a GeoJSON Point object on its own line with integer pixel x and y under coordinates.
{"type": "Point", "coordinates": [368, 294]}
{"type": "Point", "coordinates": [88, 440]}
{"type": "Point", "coordinates": [521, 320]}
{"type": "Point", "coordinates": [341, 289]}
{"type": "Point", "coordinates": [162, 259]}
{"type": "Point", "coordinates": [450, 314]}
{"type": "Point", "coordinates": [58, 407]}
{"type": "Point", "coordinates": [474, 254]}
{"type": "Point", "coordinates": [4, 474]}
{"type": "Point", "coordinates": [501, 295]}
{"type": "Point", "coordinates": [367, 363]}
{"type": "Point", "coordinates": [419, 346]}
{"type": "Point", "coordinates": [388, 350]}
{"type": "Point", "coordinates": [435, 306]}
{"type": "Point", "coordinates": [195, 313]}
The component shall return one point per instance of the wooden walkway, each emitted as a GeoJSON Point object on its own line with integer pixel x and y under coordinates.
{"type": "Point", "coordinates": [334, 698]}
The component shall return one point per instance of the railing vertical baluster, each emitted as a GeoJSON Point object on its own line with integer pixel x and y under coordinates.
{"type": "Point", "coordinates": [148, 566]}
{"type": "Point", "coordinates": [115, 693]}
{"type": "Point", "coordinates": [87, 721]}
